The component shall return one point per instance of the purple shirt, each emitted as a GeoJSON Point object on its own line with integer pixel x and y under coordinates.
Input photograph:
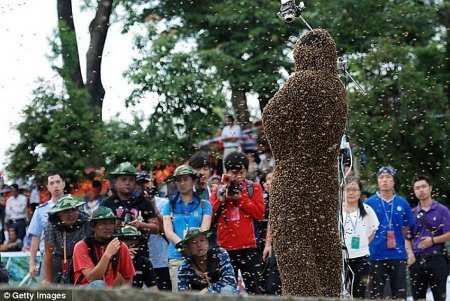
{"type": "Point", "coordinates": [434, 222]}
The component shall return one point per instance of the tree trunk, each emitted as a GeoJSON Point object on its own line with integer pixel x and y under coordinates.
{"type": "Point", "coordinates": [71, 71]}
{"type": "Point", "coordinates": [98, 30]}
{"type": "Point", "coordinates": [239, 102]}
{"type": "Point", "coordinates": [444, 14]}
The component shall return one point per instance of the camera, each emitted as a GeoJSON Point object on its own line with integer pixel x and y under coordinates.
{"type": "Point", "coordinates": [232, 187]}
{"type": "Point", "coordinates": [289, 10]}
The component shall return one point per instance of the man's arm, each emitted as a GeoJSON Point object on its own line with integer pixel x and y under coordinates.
{"type": "Point", "coordinates": [33, 253]}
{"type": "Point", "coordinates": [99, 270]}
{"type": "Point", "coordinates": [441, 238]}
{"type": "Point", "coordinates": [48, 262]}
{"type": "Point", "coordinates": [152, 225]}
{"type": "Point", "coordinates": [409, 251]}
{"type": "Point", "coordinates": [267, 252]}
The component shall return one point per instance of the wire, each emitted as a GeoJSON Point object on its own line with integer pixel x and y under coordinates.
{"type": "Point", "coordinates": [361, 89]}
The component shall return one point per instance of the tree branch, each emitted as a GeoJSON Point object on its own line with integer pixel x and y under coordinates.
{"type": "Point", "coordinates": [98, 30]}
{"type": "Point", "coordinates": [71, 71]}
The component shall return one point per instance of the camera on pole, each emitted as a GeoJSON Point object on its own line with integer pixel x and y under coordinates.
{"type": "Point", "coordinates": [289, 10]}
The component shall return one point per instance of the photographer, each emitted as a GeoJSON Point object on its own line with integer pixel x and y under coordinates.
{"type": "Point", "coordinates": [237, 203]}
{"type": "Point", "coordinates": [101, 260]}
{"type": "Point", "coordinates": [144, 185]}
{"type": "Point", "coordinates": [199, 162]}
{"type": "Point", "coordinates": [205, 269]}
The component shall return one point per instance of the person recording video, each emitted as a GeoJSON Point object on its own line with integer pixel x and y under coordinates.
{"type": "Point", "coordinates": [237, 203]}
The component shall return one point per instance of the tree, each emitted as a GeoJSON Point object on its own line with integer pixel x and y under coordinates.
{"type": "Point", "coordinates": [243, 40]}
{"type": "Point", "coordinates": [71, 71]}
{"type": "Point", "coordinates": [400, 56]}
{"type": "Point", "coordinates": [190, 101]}
{"type": "Point", "coordinates": [56, 135]}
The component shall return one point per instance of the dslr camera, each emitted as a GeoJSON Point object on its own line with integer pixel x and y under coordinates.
{"type": "Point", "coordinates": [232, 187]}
{"type": "Point", "coordinates": [289, 10]}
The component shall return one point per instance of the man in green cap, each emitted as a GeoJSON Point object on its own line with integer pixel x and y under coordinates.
{"type": "Point", "coordinates": [205, 269]}
{"type": "Point", "coordinates": [67, 225]}
{"type": "Point", "coordinates": [101, 260]}
{"type": "Point", "coordinates": [132, 237]}
{"type": "Point", "coordinates": [132, 208]}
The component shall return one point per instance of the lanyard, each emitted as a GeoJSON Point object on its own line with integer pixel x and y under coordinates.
{"type": "Point", "coordinates": [187, 216]}
{"type": "Point", "coordinates": [349, 217]}
{"type": "Point", "coordinates": [389, 220]}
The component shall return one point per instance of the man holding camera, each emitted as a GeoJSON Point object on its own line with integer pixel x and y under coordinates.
{"type": "Point", "coordinates": [101, 260]}
{"type": "Point", "coordinates": [237, 203]}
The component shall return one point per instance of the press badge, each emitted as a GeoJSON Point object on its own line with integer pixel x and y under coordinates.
{"type": "Point", "coordinates": [233, 214]}
{"type": "Point", "coordinates": [356, 240]}
{"type": "Point", "coordinates": [391, 243]}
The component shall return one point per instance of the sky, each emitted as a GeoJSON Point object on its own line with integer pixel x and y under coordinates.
{"type": "Point", "coordinates": [25, 29]}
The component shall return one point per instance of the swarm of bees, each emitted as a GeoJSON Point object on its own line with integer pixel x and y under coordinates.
{"type": "Point", "coordinates": [303, 123]}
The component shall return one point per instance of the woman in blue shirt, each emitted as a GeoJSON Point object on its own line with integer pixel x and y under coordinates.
{"type": "Point", "coordinates": [184, 210]}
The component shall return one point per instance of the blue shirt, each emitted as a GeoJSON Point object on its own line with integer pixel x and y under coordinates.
{"type": "Point", "coordinates": [395, 215]}
{"type": "Point", "coordinates": [184, 217]}
{"type": "Point", "coordinates": [39, 222]}
{"type": "Point", "coordinates": [157, 245]}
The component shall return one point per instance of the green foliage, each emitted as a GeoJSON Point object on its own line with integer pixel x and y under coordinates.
{"type": "Point", "coordinates": [56, 135]}
{"type": "Point", "coordinates": [190, 97]}
{"type": "Point", "coordinates": [404, 119]}
{"type": "Point", "coordinates": [357, 25]}
{"type": "Point", "coordinates": [397, 51]}
{"type": "Point", "coordinates": [244, 40]}
{"type": "Point", "coordinates": [399, 57]}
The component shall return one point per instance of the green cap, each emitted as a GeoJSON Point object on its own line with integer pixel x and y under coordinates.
{"type": "Point", "coordinates": [124, 169]}
{"type": "Point", "coordinates": [130, 233]}
{"type": "Point", "coordinates": [102, 213]}
{"type": "Point", "coordinates": [184, 170]}
{"type": "Point", "coordinates": [67, 202]}
{"type": "Point", "coordinates": [191, 234]}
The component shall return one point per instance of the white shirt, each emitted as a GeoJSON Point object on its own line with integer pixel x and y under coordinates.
{"type": "Point", "coordinates": [16, 208]}
{"type": "Point", "coordinates": [35, 197]}
{"type": "Point", "coordinates": [355, 226]}
{"type": "Point", "coordinates": [233, 131]}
